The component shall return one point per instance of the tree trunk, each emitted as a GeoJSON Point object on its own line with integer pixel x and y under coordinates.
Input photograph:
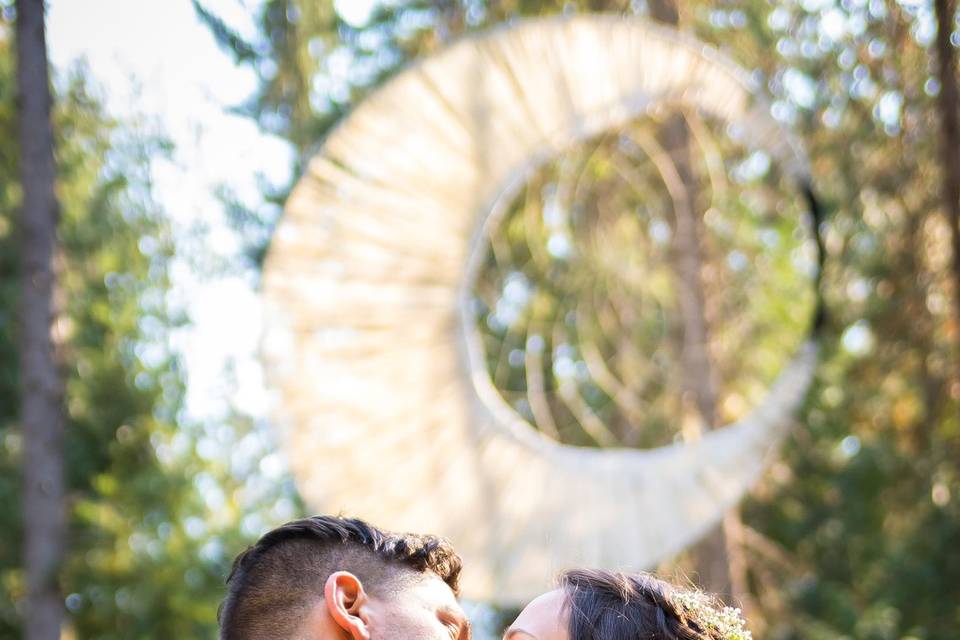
{"type": "Point", "coordinates": [950, 130]}
{"type": "Point", "coordinates": [41, 408]}
{"type": "Point", "coordinates": [713, 555]}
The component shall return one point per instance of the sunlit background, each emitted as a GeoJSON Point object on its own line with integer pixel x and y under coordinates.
{"type": "Point", "coordinates": [181, 128]}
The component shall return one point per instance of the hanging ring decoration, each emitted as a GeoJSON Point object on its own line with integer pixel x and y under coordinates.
{"type": "Point", "coordinates": [383, 402]}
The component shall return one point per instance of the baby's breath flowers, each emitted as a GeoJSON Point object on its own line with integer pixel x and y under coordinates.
{"type": "Point", "coordinates": [726, 621]}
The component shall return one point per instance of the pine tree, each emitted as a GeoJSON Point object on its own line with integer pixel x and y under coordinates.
{"type": "Point", "coordinates": [154, 516]}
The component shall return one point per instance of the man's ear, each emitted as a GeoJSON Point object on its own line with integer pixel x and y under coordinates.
{"type": "Point", "coordinates": [346, 602]}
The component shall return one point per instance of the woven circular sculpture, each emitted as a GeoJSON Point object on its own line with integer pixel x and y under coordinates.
{"type": "Point", "coordinates": [384, 402]}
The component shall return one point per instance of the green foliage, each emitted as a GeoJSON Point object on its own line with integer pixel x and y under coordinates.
{"type": "Point", "coordinates": [579, 284]}
{"type": "Point", "coordinates": [155, 515]}
{"type": "Point", "coordinates": [9, 397]}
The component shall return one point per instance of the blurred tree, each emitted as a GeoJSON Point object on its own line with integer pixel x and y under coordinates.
{"type": "Point", "coordinates": [155, 515]}
{"type": "Point", "coordinates": [950, 125]}
{"type": "Point", "coordinates": [853, 532]}
{"type": "Point", "coordinates": [713, 554]}
{"type": "Point", "coordinates": [41, 392]}
{"type": "Point", "coordinates": [864, 500]}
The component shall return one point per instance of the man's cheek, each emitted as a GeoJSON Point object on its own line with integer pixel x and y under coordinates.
{"type": "Point", "coordinates": [402, 628]}
{"type": "Point", "coordinates": [391, 629]}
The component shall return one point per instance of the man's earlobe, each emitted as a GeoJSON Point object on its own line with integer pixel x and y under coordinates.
{"type": "Point", "coordinates": [346, 603]}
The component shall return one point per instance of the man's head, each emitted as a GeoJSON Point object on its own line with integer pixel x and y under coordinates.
{"type": "Point", "coordinates": [325, 578]}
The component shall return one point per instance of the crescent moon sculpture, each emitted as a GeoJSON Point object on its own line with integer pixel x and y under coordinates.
{"type": "Point", "coordinates": [383, 400]}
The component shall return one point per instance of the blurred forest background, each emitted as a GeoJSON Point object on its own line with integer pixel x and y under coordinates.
{"type": "Point", "coordinates": [853, 533]}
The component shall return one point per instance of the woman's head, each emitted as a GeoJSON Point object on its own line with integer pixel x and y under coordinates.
{"type": "Point", "coordinates": [603, 605]}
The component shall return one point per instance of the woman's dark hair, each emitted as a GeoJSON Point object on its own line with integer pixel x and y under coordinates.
{"type": "Point", "coordinates": [605, 605]}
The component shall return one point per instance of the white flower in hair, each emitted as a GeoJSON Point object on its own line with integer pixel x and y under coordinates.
{"type": "Point", "coordinates": [728, 621]}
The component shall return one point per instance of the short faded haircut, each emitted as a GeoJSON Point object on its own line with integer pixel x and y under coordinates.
{"type": "Point", "coordinates": [274, 584]}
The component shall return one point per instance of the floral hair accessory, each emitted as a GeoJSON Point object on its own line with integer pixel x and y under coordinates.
{"type": "Point", "coordinates": [727, 622]}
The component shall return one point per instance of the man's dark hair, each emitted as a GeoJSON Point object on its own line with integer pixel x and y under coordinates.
{"type": "Point", "coordinates": [275, 582]}
{"type": "Point", "coordinates": [605, 605]}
